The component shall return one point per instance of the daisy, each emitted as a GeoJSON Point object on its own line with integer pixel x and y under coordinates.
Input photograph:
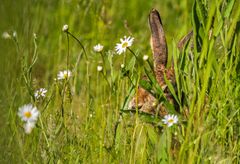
{"type": "Point", "coordinates": [126, 42]}
{"type": "Point", "coordinates": [64, 74]}
{"type": "Point", "coordinates": [98, 48]}
{"type": "Point", "coordinates": [122, 66]}
{"type": "Point", "coordinates": [40, 93]}
{"type": "Point", "coordinates": [28, 113]}
{"type": "Point", "coordinates": [169, 120]}
{"type": "Point", "coordinates": [28, 126]}
{"type": "Point", "coordinates": [99, 68]}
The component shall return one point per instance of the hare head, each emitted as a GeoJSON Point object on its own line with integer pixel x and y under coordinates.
{"type": "Point", "coordinates": [143, 100]}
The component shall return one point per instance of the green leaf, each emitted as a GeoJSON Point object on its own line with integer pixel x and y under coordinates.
{"type": "Point", "coordinates": [229, 8]}
{"type": "Point", "coordinates": [131, 64]}
{"type": "Point", "coordinates": [232, 28]}
{"type": "Point", "coordinates": [162, 152]}
{"type": "Point", "coordinates": [171, 88]}
{"type": "Point", "coordinates": [218, 24]}
{"type": "Point", "coordinates": [153, 136]}
{"type": "Point", "coordinates": [127, 98]}
{"type": "Point", "coordinates": [146, 85]}
{"type": "Point", "coordinates": [201, 12]}
{"type": "Point", "coordinates": [196, 30]}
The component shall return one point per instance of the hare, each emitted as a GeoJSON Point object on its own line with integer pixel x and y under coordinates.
{"type": "Point", "coordinates": [145, 101]}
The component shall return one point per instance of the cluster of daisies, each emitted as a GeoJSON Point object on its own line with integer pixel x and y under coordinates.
{"type": "Point", "coordinates": [29, 113]}
{"type": "Point", "coordinates": [120, 48]}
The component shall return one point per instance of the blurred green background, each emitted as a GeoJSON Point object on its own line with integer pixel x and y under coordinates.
{"type": "Point", "coordinates": [92, 21]}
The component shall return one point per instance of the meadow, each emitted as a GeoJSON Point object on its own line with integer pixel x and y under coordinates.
{"type": "Point", "coordinates": [83, 117]}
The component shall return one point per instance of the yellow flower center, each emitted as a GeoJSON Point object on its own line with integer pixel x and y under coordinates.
{"type": "Point", "coordinates": [170, 120]}
{"type": "Point", "coordinates": [125, 44]}
{"type": "Point", "coordinates": [65, 76]}
{"type": "Point", "coordinates": [28, 114]}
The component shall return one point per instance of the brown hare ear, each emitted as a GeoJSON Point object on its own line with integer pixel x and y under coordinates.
{"type": "Point", "coordinates": [158, 40]}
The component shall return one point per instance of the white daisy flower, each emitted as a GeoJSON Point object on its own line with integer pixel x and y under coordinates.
{"type": "Point", "coordinates": [6, 35]}
{"type": "Point", "coordinates": [98, 48]}
{"type": "Point", "coordinates": [28, 126]}
{"type": "Point", "coordinates": [64, 74]}
{"type": "Point", "coordinates": [169, 120]}
{"type": "Point", "coordinates": [99, 68]}
{"type": "Point", "coordinates": [126, 42]}
{"type": "Point", "coordinates": [145, 57]}
{"type": "Point", "coordinates": [28, 113]}
{"type": "Point", "coordinates": [122, 65]}
{"type": "Point", "coordinates": [65, 28]}
{"type": "Point", "coordinates": [40, 93]}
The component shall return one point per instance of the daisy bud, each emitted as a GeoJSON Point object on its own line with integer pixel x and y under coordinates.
{"type": "Point", "coordinates": [14, 34]}
{"type": "Point", "coordinates": [145, 57]}
{"type": "Point", "coordinates": [99, 68]}
{"type": "Point", "coordinates": [34, 35]}
{"type": "Point", "coordinates": [65, 28]}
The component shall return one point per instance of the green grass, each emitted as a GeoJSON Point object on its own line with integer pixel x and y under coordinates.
{"type": "Point", "coordinates": [94, 128]}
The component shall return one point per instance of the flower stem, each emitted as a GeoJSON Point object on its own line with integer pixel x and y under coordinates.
{"type": "Point", "coordinates": [106, 79]}
{"type": "Point", "coordinates": [132, 52]}
{"type": "Point", "coordinates": [68, 53]}
{"type": "Point", "coordinates": [79, 42]}
{"type": "Point", "coordinates": [104, 64]}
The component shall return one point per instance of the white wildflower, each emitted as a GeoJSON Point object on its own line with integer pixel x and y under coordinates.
{"type": "Point", "coordinates": [169, 120]}
{"type": "Point", "coordinates": [98, 48]}
{"type": "Point", "coordinates": [28, 113]}
{"type": "Point", "coordinates": [125, 42]}
{"type": "Point", "coordinates": [40, 93]}
{"type": "Point", "coordinates": [64, 74]}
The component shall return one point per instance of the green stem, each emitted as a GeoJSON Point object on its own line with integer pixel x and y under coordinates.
{"type": "Point", "coordinates": [104, 64]}
{"type": "Point", "coordinates": [106, 79]}
{"type": "Point", "coordinates": [68, 52]}
{"type": "Point", "coordinates": [132, 52]}
{"type": "Point", "coordinates": [79, 42]}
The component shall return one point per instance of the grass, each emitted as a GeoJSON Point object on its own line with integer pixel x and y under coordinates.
{"type": "Point", "coordinates": [82, 119]}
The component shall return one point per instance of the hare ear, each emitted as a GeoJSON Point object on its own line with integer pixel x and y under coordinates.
{"type": "Point", "coordinates": [158, 40]}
